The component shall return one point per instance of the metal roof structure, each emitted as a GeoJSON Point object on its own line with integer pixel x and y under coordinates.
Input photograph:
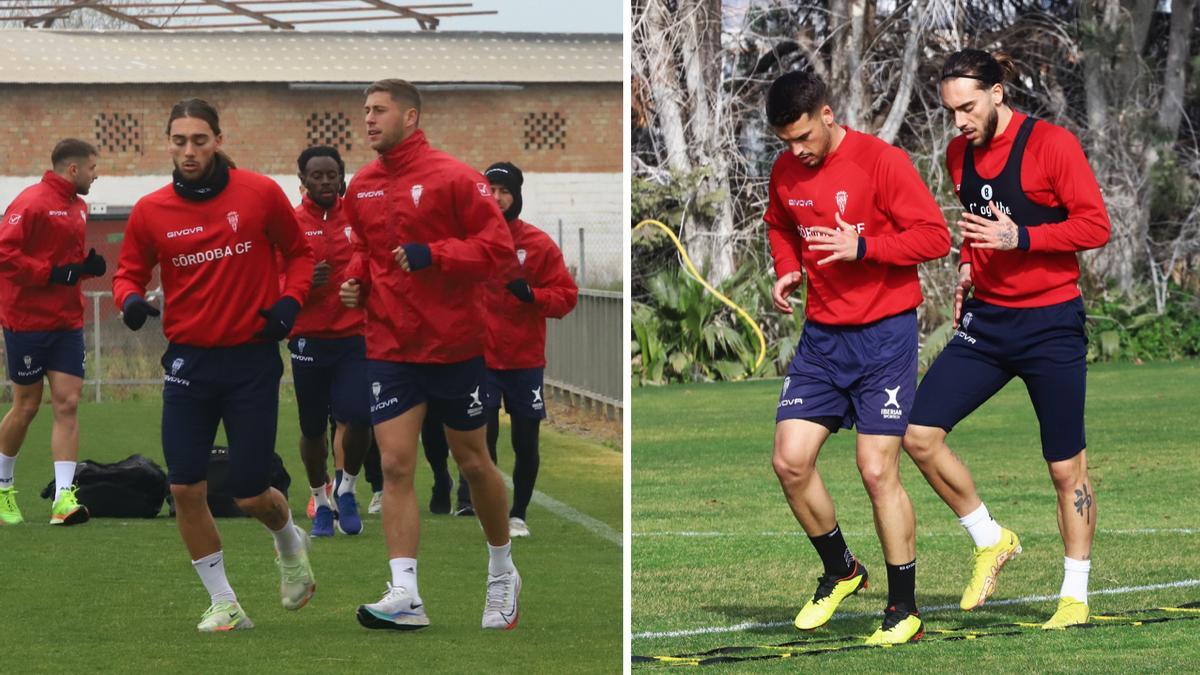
{"type": "Point", "coordinates": [151, 57]}
{"type": "Point", "coordinates": [221, 14]}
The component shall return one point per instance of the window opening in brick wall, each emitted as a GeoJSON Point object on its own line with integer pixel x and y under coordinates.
{"type": "Point", "coordinates": [119, 132]}
{"type": "Point", "coordinates": [545, 131]}
{"type": "Point", "coordinates": [332, 129]}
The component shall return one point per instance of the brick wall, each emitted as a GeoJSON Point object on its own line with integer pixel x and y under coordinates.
{"type": "Point", "coordinates": [266, 125]}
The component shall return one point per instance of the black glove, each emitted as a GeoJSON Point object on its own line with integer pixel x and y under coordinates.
{"type": "Point", "coordinates": [419, 256]}
{"type": "Point", "coordinates": [136, 310]}
{"type": "Point", "coordinates": [521, 289]}
{"type": "Point", "coordinates": [320, 274]}
{"type": "Point", "coordinates": [280, 319]}
{"type": "Point", "coordinates": [67, 275]}
{"type": "Point", "coordinates": [94, 264]}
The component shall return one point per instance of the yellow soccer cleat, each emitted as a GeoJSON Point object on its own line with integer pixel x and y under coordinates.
{"type": "Point", "coordinates": [67, 510]}
{"type": "Point", "coordinates": [1070, 612]}
{"type": "Point", "coordinates": [831, 591]}
{"type": "Point", "coordinates": [899, 626]}
{"type": "Point", "coordinates": [988, 562]}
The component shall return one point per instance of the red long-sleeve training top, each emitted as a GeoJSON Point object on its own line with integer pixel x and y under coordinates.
{"type": "Point", "coordinates": [332, 240]}
{"type": "Point", "coordinates": [516, 331]}
{"type": "Point", "coordinates": [1054, 173]}
{"type": "Point", "coordinates": [217, 258]}
{"type": "Point", "coordinates": [416, 194]}
{"type": "Point", "coordinates": [872, 185]}
{"type": "Point", "coordinates": [42, 228]}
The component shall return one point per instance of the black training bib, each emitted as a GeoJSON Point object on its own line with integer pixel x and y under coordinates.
{"type": "Point", "coordinates": [1005, 189]}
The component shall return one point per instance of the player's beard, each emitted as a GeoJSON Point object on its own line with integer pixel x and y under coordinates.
{"type": "Point", "coordinates": [989, 129]}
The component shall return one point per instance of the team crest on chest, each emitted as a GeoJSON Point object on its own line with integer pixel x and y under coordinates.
{"type": "Point", "coordinates": [232, 217]}
{"type": "Point", "coordinates": [841, 201]}
{"type": "Point", "coordinates": [521, 256]}
{"type": "Point", "coordinates": [416, 194]}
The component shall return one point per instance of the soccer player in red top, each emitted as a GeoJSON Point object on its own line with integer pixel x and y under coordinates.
{"type": "Point", "coordinates": [429, 237]}
{"type": "Point", "coordinates": [41, 264]}
{"type": "Point", "coordinates": [213, 232]}
{"type": "Point", "coordinates": [329, 359]}
{"type": "Point", "coordinates": [1030, 203]}
{"type": "Point", "coordinates": [852, 213]}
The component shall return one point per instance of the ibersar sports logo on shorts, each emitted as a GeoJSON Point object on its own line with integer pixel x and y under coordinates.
{"type": "Point", "coordinates": [476, 406]}
{"type": "Point", "coordinates": [891, 408]}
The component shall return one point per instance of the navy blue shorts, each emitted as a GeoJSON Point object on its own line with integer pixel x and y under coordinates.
{"type": "Point", "coordinates": [330, 376]}
{"type": "Point", "coordinates": [1044, 346]}
{"type": "Point", "coordinates": [861, 376]}
{"type": "Point", "coordinates": [32, 354]}
{"type": "Point", "coordinates": [521, 391]}
{"type": "Point", "coordinates": [454, 391]}
{"type": "Point", "coordinates": [203, 387]}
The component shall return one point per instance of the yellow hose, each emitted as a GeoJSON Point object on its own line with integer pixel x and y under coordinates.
{"type": "Point", "coordinates": [691, 269]}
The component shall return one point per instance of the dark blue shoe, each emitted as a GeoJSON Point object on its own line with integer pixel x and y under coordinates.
{"type": "Point", "coordinates": [349, 521]}
{"type": "Point", "coordinates": [323, 522]}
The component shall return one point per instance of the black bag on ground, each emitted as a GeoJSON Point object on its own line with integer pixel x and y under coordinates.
{"type": "Point", "coordinates": [220, 495]}
{"type": "Point", "coordinates": [131, 488]}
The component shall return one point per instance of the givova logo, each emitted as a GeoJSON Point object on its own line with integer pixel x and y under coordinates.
{"type": "Point", "coordinates": [370, 194]}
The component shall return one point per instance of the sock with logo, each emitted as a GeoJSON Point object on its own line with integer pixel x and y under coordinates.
{"type": "Point", "coordinates": [7, 466]}
{"type": "Point", "coordinates": [835, 555]}
{"type": "Point", "coordinates": [211, 569]}
{"type": "Point", "coordinates": [902, 586]}
{"type": "Point", "coordinates": [64, 476]}
{"type": "Point", "coordinates": [287, 539]}
{"type": "Point", "coordinates": [983, 530]}
{"type": "Point", "coordinates": [320, 498]}
{"type": "Point", "coordinates": [404, 574]}
{"type": "Point", "coordinates": [500, 559]}
{"type": "Point", "coordinates": [347, 484]}
{"type": "Point", "coordinates": [1075, 579]}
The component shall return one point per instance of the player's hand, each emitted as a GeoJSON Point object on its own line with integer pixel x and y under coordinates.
{"type": "Point", "coordinates": [67, 275]}
{"type": "Point", "coordinates": [842, 242]}
{"type": "Point", "coordinates": [349, 293]}
{"type": "Point", "coordinates": [784, 287]}
{"type": "Point", "coordinates": [320, 274]}
{"type": "Point", "coordinates": [960, 291]}
{"type": "Point", "coordinates": [94, 264]}
{"type": "Point", "coordinates": [136, 310]}
{"type": "Point", "coordinates": [520, 288]}
{"type": "Point", "coordinates": [999, 234]}
{"type": "Point", "coordinates": [413, 257]}
{"type": "Point", "coordinates": [280, 319]}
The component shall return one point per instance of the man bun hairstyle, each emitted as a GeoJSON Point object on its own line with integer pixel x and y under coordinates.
{"type": "Point", "coordinates": [71, 149]}
{"type": "Point", "coordinates": [199, 109]}
{"type": "Point", "coordinates": [976, 64]}
{"type": "Point", "coordinates": [794, 95]}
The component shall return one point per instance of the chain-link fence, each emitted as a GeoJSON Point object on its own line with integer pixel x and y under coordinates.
{"type": "Point", "coordinates": [592, 248]}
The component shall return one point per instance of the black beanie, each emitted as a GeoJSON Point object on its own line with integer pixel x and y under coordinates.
{"type": "Point", "coordinates": [508, 175]}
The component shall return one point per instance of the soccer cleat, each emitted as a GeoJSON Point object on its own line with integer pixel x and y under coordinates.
{"type": "Point", "coordinates": [224, 616]}
{"type": "Point", "coordinates": [322, 525]}
{"type": "Point", "coordinates": [831, 590]}
{"type": "Point", "coordinates": [1070, 612]}
{"type": "Point", "coordinates": [9, 513]}
{"type": "Point", "coordinates": [311, 510]}
{"type": "Point", "coordinates": [396, 610]}
{"type": "Point", "coordinates": [988, 562]}
{"type": "Point", "coordinates": [67, 510]}
{"type": "Point", "coordinates": [517, 527]}
{"type": "Point", "coordinates": [464, 509]}
{"type": "Point", "coordinates": [439, 501]}
{"type": "Point", "coordinates": [349, 522]}
{"type": "Point", "coordinates": [376, 504]}
{"type": "Point", "coordinates": [296, 582]}
{"type": "Point", "coordinates": [501, 611]}
{"type": "Point", "coordinates": [899, 626]}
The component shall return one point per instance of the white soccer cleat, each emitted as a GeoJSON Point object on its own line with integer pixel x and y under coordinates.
{"type": "Point", "coordinates": [376, 504]}
{"type": "Point", "coordinates": [296, 582]}
{"type": "Point", "coordinates": [500, 612]}
{"type": "Point", "coordinates": [517, 528]}
{"type": "Point", "coordinates": [224, 616]}
{"type": "Point", "coordinates": [396, 610]}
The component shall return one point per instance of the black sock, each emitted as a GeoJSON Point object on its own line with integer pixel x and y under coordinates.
{"type": "Point", "coordinates": [838, 559]}
{"type": "Point", "coordinates": [525, 469]}
{"type": "Point", "coordinates": [902, 585]}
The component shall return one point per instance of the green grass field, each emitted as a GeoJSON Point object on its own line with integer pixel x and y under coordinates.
{"type": "Point", "coordinates": [715, 546]}
{"type": "Point", "coordinates": [116, 595]}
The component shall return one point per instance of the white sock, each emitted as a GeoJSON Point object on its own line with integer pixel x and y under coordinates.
{"type": "Point", "coordinates": [500, 559]}
{"type": "Point", "coordinates": [319, 497]}
{"type": "Point", "coordinates": [404, 574]}
{"type": "Point", "coordinates": [64, 476]}
{"type": "Point", "coordinates": [7, 464]}
{"type": "Point", "coordinates": [211, 569]}
{"type": "Point", "coordinates": [287, 540]}
{"type": "Point", "coordinates": [347, 484]}
{"type": "Point", "coordinates": [1075, 579]}
{"type": "Point", "coordinates": [981, 527]}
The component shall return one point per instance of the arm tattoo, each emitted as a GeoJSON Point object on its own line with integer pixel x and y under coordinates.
{"type": "Point", "coordinates": [1008, 237]}
{"type": "Point", "coordinates": [1083, 503]}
